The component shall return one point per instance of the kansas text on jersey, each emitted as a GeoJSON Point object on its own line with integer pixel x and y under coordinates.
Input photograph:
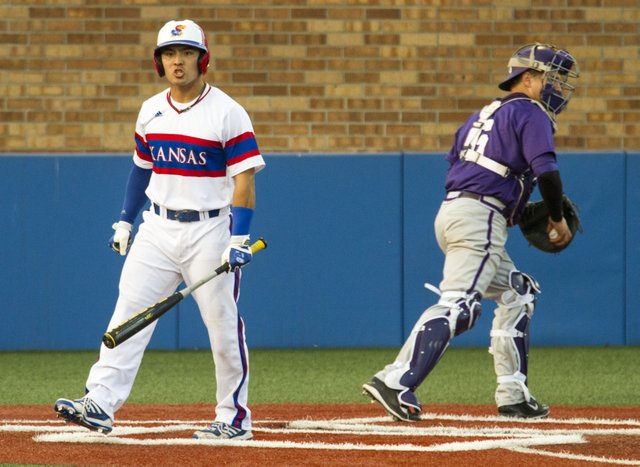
{"type": "Point", "coordinates": [194, 152]}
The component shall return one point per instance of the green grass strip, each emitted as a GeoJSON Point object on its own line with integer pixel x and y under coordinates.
{"type": "Point", "coordinates": [574, 376]}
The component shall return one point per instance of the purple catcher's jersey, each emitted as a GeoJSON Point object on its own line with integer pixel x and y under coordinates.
{"type": "Point", "coordinates": [517, 138]}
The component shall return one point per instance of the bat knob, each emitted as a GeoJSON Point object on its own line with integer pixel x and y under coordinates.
{"type": "Point", "coordinates": [108, 341]}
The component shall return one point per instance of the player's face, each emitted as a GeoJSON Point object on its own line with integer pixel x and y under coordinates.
{"type": "Point", "coordinates": [180, 64]}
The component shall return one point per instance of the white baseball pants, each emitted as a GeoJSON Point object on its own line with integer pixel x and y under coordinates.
{"type": "Point", "coordinates": [163, 254]}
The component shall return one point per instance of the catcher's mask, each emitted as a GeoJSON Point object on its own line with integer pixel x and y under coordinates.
{"type": "Point", "coordinates": [184, 32]}
{"type": "Point", "coordinates": [559, 67]}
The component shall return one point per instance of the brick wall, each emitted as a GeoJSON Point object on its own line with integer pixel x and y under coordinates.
{"type": "Point", "coordinates": [315, 75]}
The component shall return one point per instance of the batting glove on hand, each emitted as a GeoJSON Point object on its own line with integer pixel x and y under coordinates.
{"type": "Point", "coordinates": [121, 240]}
{"type": "Point", "coordinates": [238, 253]}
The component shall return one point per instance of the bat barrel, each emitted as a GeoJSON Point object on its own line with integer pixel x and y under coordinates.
{"type": "Point", "coordinates": [138, 322]}
{"type": "Point", "coordinates": [130, 328]}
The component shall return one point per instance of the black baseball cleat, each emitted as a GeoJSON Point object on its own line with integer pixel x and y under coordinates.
{"type": "Point", "coordinates": [389, 399]}
{"type": "Point", "coordinates": [531, 409]}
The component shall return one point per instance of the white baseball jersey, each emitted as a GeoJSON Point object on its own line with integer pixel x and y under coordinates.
{"type": "Point", "coordinates": [194, 149]}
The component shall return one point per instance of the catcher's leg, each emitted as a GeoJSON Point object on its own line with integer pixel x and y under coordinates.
{"type": "Point", "coordinates": [510, 347]}
{"type": "Point", "coordinates": [455, 313]}
{"type": "Point", "coordinates": [472, 236]}
{"type": "Point", "coordinates": [434, 335]}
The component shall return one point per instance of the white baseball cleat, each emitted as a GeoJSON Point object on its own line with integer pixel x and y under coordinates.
{"type": "Point", "coordinates": [221, 430]}
{"type": "Point", "coordinates": [84, 412]}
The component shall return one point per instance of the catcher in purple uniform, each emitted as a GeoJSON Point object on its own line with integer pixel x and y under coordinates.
{"type": "Point", "coordinates": [498, 156]}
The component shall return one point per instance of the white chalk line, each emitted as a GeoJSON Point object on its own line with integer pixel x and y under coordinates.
{"type": "Point", "coordinates": [320, 426]}
{"type": "Point", "coordinates": [121, 430]}
{"type": "Point", "coordinates": [513, 438]}
{"type": "Point", "coordinates": [504, 420]}
{"type": "Point", "coordinates": [540, 421]}
{"type": "Point", "coordinates": [406, 430]}
{"type": "Point", "coordinates": [90, 438]}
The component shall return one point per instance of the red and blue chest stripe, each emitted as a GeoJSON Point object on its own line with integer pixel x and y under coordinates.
{"type": "Point", "coordinates": [194, 157]}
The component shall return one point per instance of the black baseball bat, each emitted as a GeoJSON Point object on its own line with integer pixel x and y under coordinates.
{"type": "Point", "coordinates": [141, 320]}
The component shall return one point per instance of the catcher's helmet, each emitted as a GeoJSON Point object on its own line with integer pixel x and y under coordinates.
{"type": "Point", "coordinates": [184, 32]}
{"type": "Point", "coordinates": [558, 67]}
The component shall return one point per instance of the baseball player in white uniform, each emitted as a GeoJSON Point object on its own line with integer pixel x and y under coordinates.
{"type": "Point", "coordinates": [195, 160]}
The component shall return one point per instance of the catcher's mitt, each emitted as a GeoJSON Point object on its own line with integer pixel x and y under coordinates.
{"type": "Point", "coordinates": [534, 220]}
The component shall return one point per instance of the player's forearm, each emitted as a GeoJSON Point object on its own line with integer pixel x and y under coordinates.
{"type": "Point", "coordinates": [550, 186]}
{"type": "Point", "coordinates": [244, 194]}
{"type": "Point", "coordinates": [243, 203]}
{"type": "Point", "coordinates": [134, 196]}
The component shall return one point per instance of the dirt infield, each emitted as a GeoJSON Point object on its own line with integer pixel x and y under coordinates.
{"type": "Point", "coordinates": [356, 434]}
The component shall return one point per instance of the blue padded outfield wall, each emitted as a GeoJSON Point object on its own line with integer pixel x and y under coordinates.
{"type": "Point", "coordinates": [351, 244]}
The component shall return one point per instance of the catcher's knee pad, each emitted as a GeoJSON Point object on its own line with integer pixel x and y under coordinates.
{"type": "Point", "coordinates": [464, 309]}
{"type": "Point", "coordinates": [429, 345]}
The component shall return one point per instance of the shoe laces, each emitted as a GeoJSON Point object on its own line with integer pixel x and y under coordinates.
{"type": "Point", "coordinates": [225, 429]}
{"type": "Point", "coordinates": [93, 410]}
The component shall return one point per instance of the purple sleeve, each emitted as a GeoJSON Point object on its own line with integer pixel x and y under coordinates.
{"type": "Point", "coordinates": [134, 195]}
{"type": "Point", "coordinates": [544, 163]}
{"type": "Point", "coordinates": [537, 143]}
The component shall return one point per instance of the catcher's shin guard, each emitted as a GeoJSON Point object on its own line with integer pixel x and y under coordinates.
{"type": "Point", "coordinates": [510, 333]}
{"type": "Point", "coordinates": [434, 336]}
{"type": "Point", "coordinates": [519, 350]}
{"type": "Point", "coordinates": [429, 345]}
